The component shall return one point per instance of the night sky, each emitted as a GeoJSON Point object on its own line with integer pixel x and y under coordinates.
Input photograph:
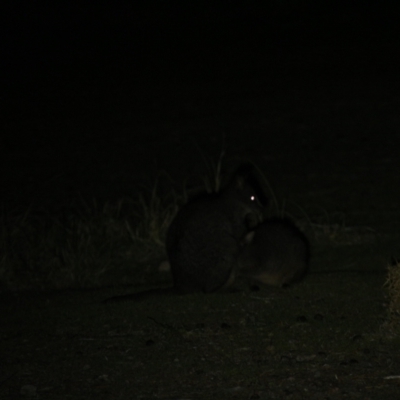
{"type": "Point", "coordinates": [76, 79]}
{"type": "Point", "coordinates": [155, 37]}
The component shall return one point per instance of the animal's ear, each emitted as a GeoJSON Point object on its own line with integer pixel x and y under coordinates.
{"type": "Point", "coordinates": [244, 175]}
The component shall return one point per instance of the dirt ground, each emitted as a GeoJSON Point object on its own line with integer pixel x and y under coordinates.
{"type": "Point", "coordinates": [328, 146]}
{"type": "Point", "coordinates": [322, 339]}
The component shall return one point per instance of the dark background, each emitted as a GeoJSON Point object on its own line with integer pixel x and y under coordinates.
{"type": "Point", "coordinates": [96, 96]}
{"type": "Point", "coordinates": [163, 39]}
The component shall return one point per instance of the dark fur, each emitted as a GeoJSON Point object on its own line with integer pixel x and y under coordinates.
{"type": "Point", "coordinates": [204, 239]}
{"type": "Point", "coordinates": [277, 253]}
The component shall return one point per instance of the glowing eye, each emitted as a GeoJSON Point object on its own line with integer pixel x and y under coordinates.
{"type": "Point", "coordinates": [253, 198]}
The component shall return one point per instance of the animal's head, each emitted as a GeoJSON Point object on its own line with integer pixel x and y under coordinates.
{"type": "Point", "coordinates": [245, 187]}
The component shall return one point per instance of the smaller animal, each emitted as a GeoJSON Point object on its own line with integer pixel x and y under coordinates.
{"type": "Point", "coordinates": [276, 253]}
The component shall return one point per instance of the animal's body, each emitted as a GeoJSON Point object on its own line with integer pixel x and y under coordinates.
{"type": "Point", "coordinates": [205, 238]}
{"type": "Point", "coordinates": [277, 253]}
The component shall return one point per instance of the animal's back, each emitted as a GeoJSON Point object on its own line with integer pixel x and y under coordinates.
{"type": "Point", "coordinates": [277, 255]}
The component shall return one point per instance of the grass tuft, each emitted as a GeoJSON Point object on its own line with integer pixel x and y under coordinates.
{"type": "Point", "coordinates": [213, 178]}
{"type": "Point", "coordinates": [83, 244]}
{"type": "Point", "coordinates": [392, 285]}
{"type": "Point", "coordinates": [152, 216]}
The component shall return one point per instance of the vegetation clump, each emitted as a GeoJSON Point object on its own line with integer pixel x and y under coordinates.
{"type": "Point", "coordinates": [393, 288]}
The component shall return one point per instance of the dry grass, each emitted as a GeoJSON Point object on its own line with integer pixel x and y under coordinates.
{"type": "Point", "coordinates": [152, 216]}
{"type": "Point", "coordinates": [392, 285]}
{"type": "Point", "coordinates": [83, 244]}
{"type": "Point", "coordinates": [42, 250]}
{"type": "Point", "coordinates": [212, 180]}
